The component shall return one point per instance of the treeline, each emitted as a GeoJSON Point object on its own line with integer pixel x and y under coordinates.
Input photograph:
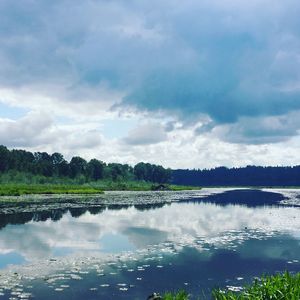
{"type": "Point", "coordinates": [247, 176]}
{"type": "Point", "coordinates": [55, 165]}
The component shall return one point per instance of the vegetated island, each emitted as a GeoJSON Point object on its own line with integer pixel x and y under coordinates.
{"type": "Point", "coordinates": [277, 287]}
{"type": "Point", "coordinates": [23, 173]}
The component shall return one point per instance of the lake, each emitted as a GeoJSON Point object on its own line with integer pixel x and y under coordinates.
{"type": "Point", "coordinates": [127, 245]}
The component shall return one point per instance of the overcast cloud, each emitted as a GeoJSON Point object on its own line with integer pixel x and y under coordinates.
{"type": "Point", "coordinates": [209, 82]}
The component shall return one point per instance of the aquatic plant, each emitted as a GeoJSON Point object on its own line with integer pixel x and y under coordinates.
{"type": "Point", "coordinates": [281, 286]}
{"type": "Point", "coordinates": [181, 295]}
{"type": "Point", "coordinates": [278, 287]}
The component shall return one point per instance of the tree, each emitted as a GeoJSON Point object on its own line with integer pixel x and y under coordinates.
{"type": "Point", "coordinates": [95, 169]}
{"type": "Point", "coordinates": [43, 163]}
{"type": "Point", "coordinates": [60, 165]}
{"type": "Point", "coordinates": [57, 158]}
{"type": "Point", "coordinates": [21, 160]}
{"type": "Point", "coordinates": [152, 173]}
{"type": "Point", "coordinates": [161, 175]}
{"type": "Point", "coordinates": [115, 171]}
{"type": "Point", "coordinates": [4, 158]}
{"type": "Point", "coordinates": [78, 166]}
{"type": "Point", "coordinates": [139, 171]}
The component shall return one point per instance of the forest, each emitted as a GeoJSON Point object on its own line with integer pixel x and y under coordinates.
{"type": "Point", "coordinates": [16, 162]}
{"type": "Point", "coordinates": [246, 176]}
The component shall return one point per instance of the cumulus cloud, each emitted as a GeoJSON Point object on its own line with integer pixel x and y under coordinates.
{"type": "Point", "coordinates": [37, 130]}
{"type": "Point", "coordinates": [266, 130]}
{"type": "Point", "coordinates": [25, 132]}
{"type": "Point", "coordinates": [225, 60]}
{"type": "Point", "coordinates": [233, 64]}
{"type": "Point", "coordinates": [145, 134]}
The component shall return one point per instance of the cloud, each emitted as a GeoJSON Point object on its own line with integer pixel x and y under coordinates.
{"type": "Point", "coordinates": [272, 129]}
{"type": "Point", "coordinates": [26, 131]}
{"type": "Point", "coordinates": [242, 65]}
{"type": "Point", "coordinates": [215, 74]}
{"type": "Point", "coordinates": [85, 140]}
{"type": "Point", "coordinates": [37, 130]}
{"type": "Point", "coordinates": [225, 60]}
{"type": "Point", "coordinates": [145, 134]}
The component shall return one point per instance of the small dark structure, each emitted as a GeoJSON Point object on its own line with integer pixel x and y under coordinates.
{"type": "Point", "coordinates": [160, 187]}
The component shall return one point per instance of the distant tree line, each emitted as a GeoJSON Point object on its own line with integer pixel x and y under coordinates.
{"type": "Point", "coordinates": [55, 165]}
{"type": "Point", "coordinates": [246, 176]}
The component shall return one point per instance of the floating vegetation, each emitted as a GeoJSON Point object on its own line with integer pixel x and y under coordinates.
{"type": "Point", "coordinates": [111, 199]}
{"type": "Point", "coordinates": [106, 270]}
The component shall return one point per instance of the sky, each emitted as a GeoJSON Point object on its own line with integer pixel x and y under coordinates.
{"type": "Point", "coordinates": [184, 84]}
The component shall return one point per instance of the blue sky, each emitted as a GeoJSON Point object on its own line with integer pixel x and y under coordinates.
{"type": "Point", "coordinates": [184, 84]}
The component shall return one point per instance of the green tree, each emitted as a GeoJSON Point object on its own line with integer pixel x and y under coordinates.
{"type": "Point", "coordinates": [95, 169]}
{"type": "Point", "coordinates": [60, 165]}
{"type": "Point", "coordinates": [139, 171]}
{"type": "Point", "coordinates": [78, 166]}
{"type": "Point", "coordinates": [21, 160]}
{"type": "Point", "coordinates": [43, 164]}
{"type": "Point", "coordinates": [4, 158]}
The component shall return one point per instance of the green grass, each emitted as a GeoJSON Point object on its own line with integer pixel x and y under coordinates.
{"type": "Point", "coordinates": [109, 185]}
{"type": "Point", "coordinates": [18, 189]}
{"type": "Point", "coordinates": [120, 185]}
{"type": "Point", "coordinates": [19, 183]}
{"type": "Point", "coordinates": [281, 286]}
{"type": "Point", "coordinates": [181, 295]}
{"type": "Point", "coordinates": [184, 187]}
{"type": "Point", "coordinates": [278, 287]}
{"type": "Point", "coordinates": [22, 189]}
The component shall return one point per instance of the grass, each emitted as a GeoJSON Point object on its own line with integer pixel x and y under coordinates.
{"type": "Point", "coordinates": [122, 185]}
{"type": "Point", "coordinates": [20, 183]}
{"type": "Point", "coordinates": [184, 187]}
{"type": "Point", "coordinates": [18, 189]}
{"type": "Point", "coordinates": [281, 286]}
{"type": "Point", "coordinates": [109, 185]}
{"type": "Point", "coordinates": [22, 189]}
{"type": "Point", "coordinates": [278, 287]}
{"type": "Point", "coordinates": [181, 295]}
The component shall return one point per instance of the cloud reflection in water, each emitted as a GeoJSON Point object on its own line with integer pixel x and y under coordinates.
{"type": "Point", "coordinates": [131, 229]}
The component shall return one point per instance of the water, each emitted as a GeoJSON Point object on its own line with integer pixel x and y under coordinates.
{"type": "Point", "coordinates": [128, 245]}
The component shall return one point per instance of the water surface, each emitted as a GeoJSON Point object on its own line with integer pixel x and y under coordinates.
{"type": "Point", "coordinates": [128, 245]}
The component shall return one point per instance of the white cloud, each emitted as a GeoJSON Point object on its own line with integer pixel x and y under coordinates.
{"type": "Point", "coordinates": [146, 134]}
{"type": "Point", "coordinates": [27, 131]}
{"type": "Point", "coordinates": [232, 63]}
